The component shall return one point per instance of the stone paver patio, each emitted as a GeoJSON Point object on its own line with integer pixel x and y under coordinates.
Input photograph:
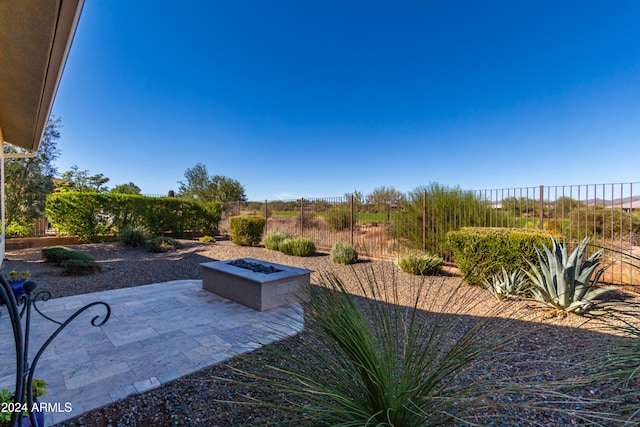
{"type": "Point", "coordinates": [156, 333]}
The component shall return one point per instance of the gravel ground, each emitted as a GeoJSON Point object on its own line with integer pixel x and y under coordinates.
{"type": "Point", "coordinates": [202, 398]}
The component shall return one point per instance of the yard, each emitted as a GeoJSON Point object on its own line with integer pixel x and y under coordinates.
{"type": "Point", "coordinates": [535, 371]}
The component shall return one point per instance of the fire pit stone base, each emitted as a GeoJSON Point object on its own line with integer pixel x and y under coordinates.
{"type": "Point", "coordinates": [281, 285]}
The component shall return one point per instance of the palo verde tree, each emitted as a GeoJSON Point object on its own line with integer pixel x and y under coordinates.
{"type": "Point", "coordinates": [383, 199]}
{"type": "Point", "coordinates": [218, 188]}
{"type": "Point", "coordinates": [28, 181]}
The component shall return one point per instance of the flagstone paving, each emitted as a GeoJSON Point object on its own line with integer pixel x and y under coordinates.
{"type": "Point", "coordinates": [156, 333]}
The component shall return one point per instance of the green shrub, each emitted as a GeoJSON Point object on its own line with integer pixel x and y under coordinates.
{"type": "Point", "coordinates": [273, 238]}
{"type": "Point", "coordinates": [344, 253]}
{"type": "Point", "coordinates": [420, 265]}
{"type": "Point", "coordinates": [298, 246]}
{"type": "Point", "coordinates": [59, 254]}
{"type": "Point", "coordinates": [16, 229]}
{"type": "Point", "coordinates": [207, 239]}
{"type": "Point", "coordinates": [94, 215]}
{"type": "Point", "coordinates": [134, 237]}
{"type": "Point", "coordinates": [246, 230]}
{"type": "Point", "coordinates": [338, 217]}
{"type": "Point", "coordinates": [80, 267]}
{"type": "Point", "coordinates": [163, 244]}
{"type": "Point", "coordinates": [482, 252]}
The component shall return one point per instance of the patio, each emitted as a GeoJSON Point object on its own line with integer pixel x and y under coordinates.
{"type": "Point", "coordinates": [157, 333]}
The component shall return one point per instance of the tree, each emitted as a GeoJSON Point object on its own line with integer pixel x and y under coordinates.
{"type": "Point", "coordinates": [81, 182]}
{"type": "Point", "coordinates": [218, 188]}
{"type": "Point", "coordinates": [129, 188]}
{"type": "Point", "coordinates": [384, 198]}
{"type": "Point", "coordinates": [28, 181]}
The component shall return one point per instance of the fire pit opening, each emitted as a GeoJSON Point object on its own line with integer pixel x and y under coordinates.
{"type": "Point", "coordinates": [256, 267]}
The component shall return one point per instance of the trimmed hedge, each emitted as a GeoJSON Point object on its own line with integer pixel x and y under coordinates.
{"type": "Point", "coordinates": [94, 215]}
{"type": "Point", "coordinates": [298, 246]}
{"type": "Point", "coordinates": [482, 252]}
{"type": "Point", "coordinates": [246, 230]}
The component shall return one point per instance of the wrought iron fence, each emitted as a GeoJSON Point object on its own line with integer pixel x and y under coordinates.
{"type": "Point", "coordinates": [607, 213]}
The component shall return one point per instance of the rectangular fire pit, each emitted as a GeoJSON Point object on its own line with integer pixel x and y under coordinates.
{"type": "Point", "coordinates": [272, 285]}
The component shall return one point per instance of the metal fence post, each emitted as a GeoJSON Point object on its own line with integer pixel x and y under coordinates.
{"type": "Point", "coordinates": [266, 215]}
{"type": "Point", "coordinates": [351, 220]}
{"type": "Point", "coordinates": [541, 207]}
{"type": "Point", "coordinates": [302, 217]}
{"type": "Point", "coordinates": [424, 220]}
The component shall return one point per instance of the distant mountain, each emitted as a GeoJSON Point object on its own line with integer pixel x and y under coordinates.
{"type": "Point", "coordinates": [624, 202]}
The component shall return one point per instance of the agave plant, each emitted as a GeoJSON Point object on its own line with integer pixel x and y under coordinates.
{"type": "Point", "coordinates": [508, 286]}
{"type": "Point", "coordinates": [565, 282]}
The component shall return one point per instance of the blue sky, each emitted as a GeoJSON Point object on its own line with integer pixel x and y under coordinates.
{"type": "Point", "coordinates": [318, 98]}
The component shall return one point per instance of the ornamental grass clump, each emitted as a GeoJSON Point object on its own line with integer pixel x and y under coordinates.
{"type": "Point", "coordinates": [273, 239]}
{"type": "Point", "coordinates": [568, 283]}
{"type": "Point", "coordinates": [388, 359]}
{"type": "Point", "coordinates": [343, 253]}
{"type": "Point", "coordinates": [420, 265]}
{"type": "Point", "coordinates": [297, 246]}
{"type": "Point", "coordinates": [134, 237]}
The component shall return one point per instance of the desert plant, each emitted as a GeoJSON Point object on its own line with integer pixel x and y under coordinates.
{"type": "Point", "coordinates": [429, 212]}
{"type": "Point", "coordinates": [163, 244]}
{"type": "Point", "coordinates": [134, 237]}
{"type": "Point", "coordinates": [375, 361]}
{"type": "Point", "coordinates": [508, 286]}
{"type": "Point", "coordinates": [343, 253]}
{"type": "Point", "coordinates": [420, 265]}
{"type": "Point", "coordinates": [80, 267]}
{"type": "Point", "coordinates": [246, 230]}
{"type": "Point", "coordinates": [297, 246]}
{"type": "Point", "coordinates": [58, 254]}
{"type": "Point", "coordinates": [565, 282]}
{"type": "Point", "coordinates": [339, 218]}
{"type": "Point", "coordinates": [207, 239]}
{"type": "Point", "coordinates": [273, 239]}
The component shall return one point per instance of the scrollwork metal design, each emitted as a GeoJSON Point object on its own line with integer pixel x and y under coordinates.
{"type": "Point", "coordinates": [24, 369]}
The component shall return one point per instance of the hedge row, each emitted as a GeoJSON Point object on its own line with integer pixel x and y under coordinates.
{"type": "Point", "coordinates": [482, 252]}
{"type": "Point", "coordinates": [246, 230]}
{"type": "Point", "coordinates": [93, 215]}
